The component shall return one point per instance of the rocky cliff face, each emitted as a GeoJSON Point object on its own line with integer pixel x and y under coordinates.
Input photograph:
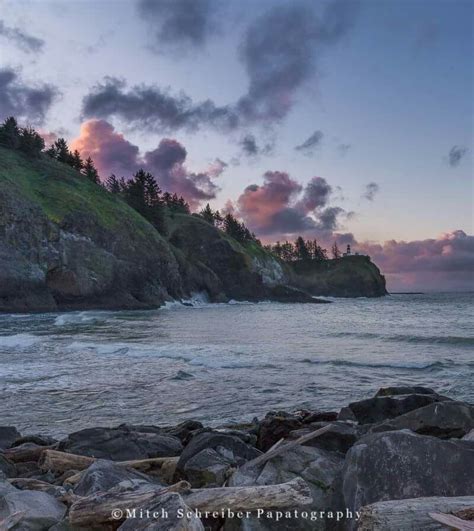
{"type": "Point", "coordinates": [349, 276]}
{"type": "Point", "coordinates": [65, 243]}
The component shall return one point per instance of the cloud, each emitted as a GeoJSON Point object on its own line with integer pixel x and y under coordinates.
{"type": "Point", "coordinates": [456, 154]}
{"type": "Point", "coordinates": [311, 143]}
{"type": "Point", "coordinates": [179, 23]}
{"type": "Point", "coordinates": [282, 206]}
{"type": "Point", "coordinates": [113, 153]}
{"type": "Point", "coordinates": [251, 148]}
{"type": "Point", "coordinates": [26, 103]}
{"type": "Point", "coordinates": [24, 41]}
{"type": "Point", "coordinates": [343, 149]}
{"type": "Point", "coordinates": [110, 150]}
{"type": "Point", "coordinates": [278, 51]}
{"type": "Point", "coordinates": [446, 262]}
{"type": "Point", "coordinates": [371, 190]}
{"type": "Point", "coordinates": [217, 168]}
{"type": "Point", "coordinates": [153, 108]}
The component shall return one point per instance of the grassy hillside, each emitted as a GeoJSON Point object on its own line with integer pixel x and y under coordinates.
{"type": "Point", "coordinates": [60, 191]}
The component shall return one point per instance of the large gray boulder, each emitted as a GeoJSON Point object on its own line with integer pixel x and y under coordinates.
{"type": "Point", "coordinates": [5, 486]}
{"type": "Point", "coordinates": [339, 438]}
{"type": "Point", "coordinates": [405, 390]}
{"type": "Point", "coordinates": [171, 505]}
{"type": "Point", "coordinates": [8, 435]}
{"type": "Point", "coordinates": [443, 419]}
{"type": "Point", "coordinates": [233, 446]}
{"type": "Point", "coordinates": [208, 468]}
{"type": "Point", "coordinates": [398, 465]}
{"type": "Point", "coordinates": [381, 408]}
{"type": "Point", "coordinates": [318, 467]}
{"type": "Point", "coordinates": [40, 510]}
{"type": "Point", "coordinates": [121, 444]}
{"type": "Point", "coordinates": [276, 426]}
{"type": "Point", "coordinates": [103, 475]}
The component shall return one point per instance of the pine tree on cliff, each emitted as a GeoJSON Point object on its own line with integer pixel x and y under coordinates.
{"type": "Point", "coordinates": [90, 171]}
{"type": "Point", "coordinates": [112, 184]}
{"type": "Point", "coordinates": [31, 142]}
{"type": "Point", "coordinates": [10, 133]}
{"type": "Point", "coordinates": [208, 215]}
{"type": "Point", "coordinates": [301, 249]}
{"type": "Point", "coordinates": [62, 151]}
{"type": "Point", "coordinates": [76, 161]}
{"type": "Point", "coordinates": [336, 253]}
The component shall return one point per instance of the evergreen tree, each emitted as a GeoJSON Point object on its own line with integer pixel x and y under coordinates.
{"type": "Point", "coordinates": [62, 151]}
{"type": "Point", "coordinates": [208, 215]}
{"type": "Point", "coordinates": [76, 160]}
{"type": "Point", "coordinates": [335, 251]}
{"type": "Point", "coordinates": [90, 171]}
{"type": "Point", "coordinates": [112, 184]}
{"type": "Point", "coordinates": [31, 142]}
{"type": "Point", "coordinates": [301, 249]}
{"type": "Point", "coordinates": [10, 133]}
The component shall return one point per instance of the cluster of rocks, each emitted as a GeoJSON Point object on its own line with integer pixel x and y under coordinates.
{"type": "Point", "coordinates": [405, 443]}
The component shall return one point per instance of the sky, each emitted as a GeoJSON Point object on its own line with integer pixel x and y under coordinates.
{"type": "Point", "coordinates": [341, 120]}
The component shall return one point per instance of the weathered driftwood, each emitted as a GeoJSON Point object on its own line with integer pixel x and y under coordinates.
{"type": "Point", "coordinates": [453, 522]}
{"type": "Point", "coordinates": [97, 509]}
{"type": "Point", "coordinates": [27, 452]}
{"type": "Point", "coordinates": [101, 508]}
{"type": "Point", "coordinates": [32, 484]}
{"type": "Point", "coordinates": [10, 521]}
{"type": "Point", "coordinates": [280, 448]}
{"type": "Point", "coordinates": [63, 461]}
{"type": "Point", "coordinates": [411, 514]}
{"type": "Point", "coordinates": [294, 493]}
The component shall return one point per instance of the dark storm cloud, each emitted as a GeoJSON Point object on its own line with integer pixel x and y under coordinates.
{"type": "Point", "coordinates": [25, 102]}
{"type": "Point", "coordinates": [316, 194]}
{"type": "Point", "coordinates": [311, 143]}
{"type": "Point", "coordinates": [279, 52]}
{"type": "Point", "coordinates": [179, 22]}
{"type": "Point", "coordinates": [371, 190]}
{"type": "Point", "coordinates": [24, 41]}
{"type": "Point", "coordinates": [455, 155]}
{"type": "Point", "coordinates": [153, 108]}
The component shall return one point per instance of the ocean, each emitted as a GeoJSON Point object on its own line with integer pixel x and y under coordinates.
{"type": "Point", "coordinates": [222, 363]}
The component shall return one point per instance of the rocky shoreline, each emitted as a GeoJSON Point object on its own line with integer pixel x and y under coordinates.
{"type": "Point", "coordinates": [382, 463]}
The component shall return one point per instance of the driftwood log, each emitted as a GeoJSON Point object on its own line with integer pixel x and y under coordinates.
{"type": "Point", "coordinates": [100, 508]}
{"type": "Point", "coordinates": [280, 448]}
{"type": "Point", "coordinates": [97, 509]}
{"type": "Point", "coordinates": [412, 514]}
{"type": "Point", "coordinates": [63, 461]}
{"type": "Point", "coordinates": [453, 522]}
{"type": "Point", "coordinates": [26, 452]}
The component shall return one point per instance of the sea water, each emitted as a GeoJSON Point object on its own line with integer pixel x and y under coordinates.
{"type": "Point", "coordinates": [222, 363]}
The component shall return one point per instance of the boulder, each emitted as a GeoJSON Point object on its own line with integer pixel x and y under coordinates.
{"type": "Point", "coordinates": [320, 416]}
{"type": "Point", "coordinates": [275, 426]}
{"type": "Point", "coordinates": [5, 487]}
{"type": "Point", "coordinates": [39, 440]}
{"type": "Point", "coordinates": [443, 419]}
{"type": "Point", "coordinates": [121, 444]}
{"type": "Point", "coordinates": [381, 408]}
{"type": "Point", "coordinates": [208, 468]}
{"type": "Point", "coordinates": [8, 435]}
{"type": "Point", "coordinates": [234, 446]}
{"type": "Point", "coordinates": [340, 437]}
{"type": "Point", "coordinates": [318, 467]}
{"type": "Point", "coordinates": [398, 465]}
{"type": "Point", "coordinates": [40, 510]}
{"type": "Point", "coordinates": [7, 467]}
{"type": "Point", "coordinates": [185, 430]}
{"type": "Point", "coordinates": [103, 475]}
{"type": "Point", "coordinates": [405, 390]}
{"type": "Point", "coordinates": [171, 505]}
